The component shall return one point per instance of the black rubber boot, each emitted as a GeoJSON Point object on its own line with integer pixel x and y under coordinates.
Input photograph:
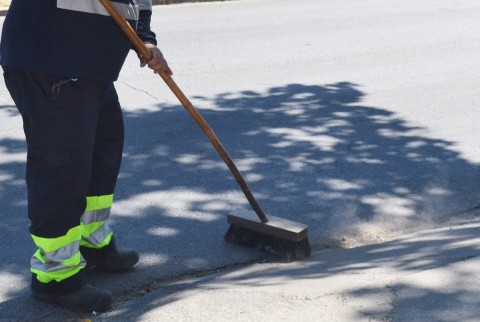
{"type": "Point", "coordinates": [109, 258]}
{"type": "Point", "coordinates": [88, 298]}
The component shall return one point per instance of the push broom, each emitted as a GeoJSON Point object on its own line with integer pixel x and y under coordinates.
{"type": "Point", "coordinates": [248, 228]}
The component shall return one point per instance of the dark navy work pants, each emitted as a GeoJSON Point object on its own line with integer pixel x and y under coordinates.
{"type": "Point", "coordinates": [74, 131]}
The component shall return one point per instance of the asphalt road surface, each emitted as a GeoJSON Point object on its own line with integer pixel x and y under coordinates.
{"type": "Point", "coordinates": [357, 118]}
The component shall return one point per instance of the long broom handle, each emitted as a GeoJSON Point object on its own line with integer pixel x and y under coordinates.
{"type": "Point", "coordinates": [145, 52]}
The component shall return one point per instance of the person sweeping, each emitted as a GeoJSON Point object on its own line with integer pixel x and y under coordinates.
{"type": "Point", "coordinates": [60, 59]}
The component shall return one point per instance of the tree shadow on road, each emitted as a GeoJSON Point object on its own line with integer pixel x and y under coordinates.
{"type": "Point", "coordinates": [418, 277]}
{"type": "Point", "coordinates": [310, 153]}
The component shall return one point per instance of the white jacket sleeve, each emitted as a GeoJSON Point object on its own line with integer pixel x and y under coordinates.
{"type": "Point", "coordinates": [145, 4]}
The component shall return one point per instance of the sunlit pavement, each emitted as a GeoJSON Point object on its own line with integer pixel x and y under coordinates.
{"type": "Point", "coordinates": [358, 119]}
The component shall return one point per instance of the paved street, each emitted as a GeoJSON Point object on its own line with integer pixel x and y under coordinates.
{"type": "Point", "coordinates": [430, 275]}
{"type": "Point", "coordinates": [357, 118]}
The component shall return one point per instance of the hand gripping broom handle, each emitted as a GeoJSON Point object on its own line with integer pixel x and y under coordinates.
{"type": "Point", "coordinates": [145, 52]}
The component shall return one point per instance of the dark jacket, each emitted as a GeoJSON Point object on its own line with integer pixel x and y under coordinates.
{"type": "Point", "coordinates": [71, 38]}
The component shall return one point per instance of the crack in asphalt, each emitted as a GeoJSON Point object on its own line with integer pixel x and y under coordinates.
{"type": "Point", "coordinates": [139, 90]}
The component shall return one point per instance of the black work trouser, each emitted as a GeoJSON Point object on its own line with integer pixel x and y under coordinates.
{"type": "Point", "coordinates": [74, 132]}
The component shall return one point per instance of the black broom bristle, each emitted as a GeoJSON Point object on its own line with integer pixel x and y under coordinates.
{"type": "Point", "coordinates": [290, 250]}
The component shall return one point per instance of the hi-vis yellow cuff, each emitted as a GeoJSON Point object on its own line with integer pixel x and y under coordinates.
{"type": "Point", "coordinates": [47, 272]}
{"type": "Point", "coordinates": [57, 258]}
{"type": "Point", "coordinates": [95, 231]}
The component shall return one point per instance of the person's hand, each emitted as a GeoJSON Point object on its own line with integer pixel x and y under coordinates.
{"type": "Point", "coordinates": [157, 63]}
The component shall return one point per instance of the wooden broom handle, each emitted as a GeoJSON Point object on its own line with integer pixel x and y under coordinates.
{"type": "Point", "coordinates": [145, 52]}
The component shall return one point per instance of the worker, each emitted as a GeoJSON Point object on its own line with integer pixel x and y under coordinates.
{"type": "Point", "coordinates": [60, 59]}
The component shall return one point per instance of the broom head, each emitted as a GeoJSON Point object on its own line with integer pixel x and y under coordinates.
{"type": "Point", "coordinates": [283, 237]}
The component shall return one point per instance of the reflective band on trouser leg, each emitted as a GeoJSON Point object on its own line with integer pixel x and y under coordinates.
{"type": "Point", "coordinates": [95, 231]}
{"type": "Point", "coordinates": [57, 258]}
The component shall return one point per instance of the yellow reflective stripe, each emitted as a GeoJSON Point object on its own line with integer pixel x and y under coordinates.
{"type": "Point", "coordinates": [57, 276]}
{"type": "Point", "coordinates": [96, 235]}
{"type": "Point", "coordinates": [99, 202]}
{"type": "Point", "coordinates": [52, 244]}
{"type": "Point", "coordinates": [48, 271]}
{"type": "Point", "coordinates": [88, 242]}
{"type": "Point", "coordinates": [89, 229]}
